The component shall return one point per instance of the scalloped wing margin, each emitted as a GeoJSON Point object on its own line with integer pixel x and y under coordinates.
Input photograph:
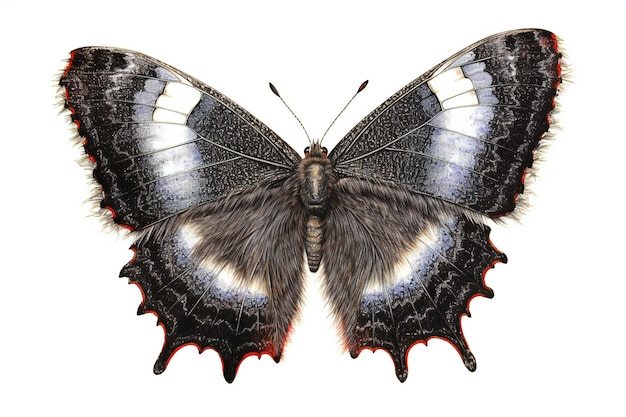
{"type": "Point", "coordinates": [446, 273]}
{"type": "Point", "coordinates": [226, 275]}
{"type": "Point", "coordinates": [195, 308]}
{"type": "Point", "coordinates": [401, 268]}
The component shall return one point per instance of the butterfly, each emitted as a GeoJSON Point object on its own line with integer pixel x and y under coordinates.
{"type": "Point", "coordinates": [227, 217]}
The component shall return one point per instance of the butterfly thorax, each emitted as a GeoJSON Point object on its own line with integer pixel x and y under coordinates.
{"type": "Point", "coordinates": [316, 181]}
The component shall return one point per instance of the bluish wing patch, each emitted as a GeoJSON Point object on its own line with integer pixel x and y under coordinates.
{"type": "Point", "coordinates": [464, 132]}
{"type": "Point", "coordinates": [162, 141]}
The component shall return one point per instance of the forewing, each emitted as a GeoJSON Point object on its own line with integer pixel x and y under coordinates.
{"type": "Point", "coordinates": [401, 268]}
{"type": "Point", "coordinates": [163, 142]}
{"type": "Point", "coordinates": [465, 131]}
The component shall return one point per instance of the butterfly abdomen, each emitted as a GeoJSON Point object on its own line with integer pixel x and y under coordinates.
{"type": "Point", "coordinates": [316, 181]}
{"type": "Point", "coordinates": [313, 241]}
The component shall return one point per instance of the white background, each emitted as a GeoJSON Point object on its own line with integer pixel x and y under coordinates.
{"type": "Point", "coordinates": [550, 342]}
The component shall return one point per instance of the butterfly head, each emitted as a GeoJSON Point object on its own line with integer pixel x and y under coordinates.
{"type": "Point", "coordinates": [315, 150]}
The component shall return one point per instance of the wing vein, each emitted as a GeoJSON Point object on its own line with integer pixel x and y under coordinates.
{"type": "Point", "coordinates": [432, 301]}
{"type": "Point", "coordinates": [198, 168]}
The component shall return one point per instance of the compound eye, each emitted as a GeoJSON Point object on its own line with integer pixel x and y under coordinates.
{"type": "Point", "coordinates": [307, 150]}
{"type": "Point", "coordinates": [324, 151]}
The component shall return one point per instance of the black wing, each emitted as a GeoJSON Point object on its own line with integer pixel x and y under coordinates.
{"type": "Point", "coordinates": [215, 282]}
{"type": "Point", "coordinates": [465, 131]}
{"type": "Point", "coordinates": [429, 301]}
{"type": "Point", "coordinates": [162, 141]}
{"type": "Point", "coordinates": [415, 177]}
{"type": "Point", "coordinates": [209, 186]}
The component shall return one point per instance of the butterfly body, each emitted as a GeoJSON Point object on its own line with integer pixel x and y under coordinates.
{"type": "Point", "coordinates": [316, 182]}
{"type": "Point", "coordinates": [227, 216]}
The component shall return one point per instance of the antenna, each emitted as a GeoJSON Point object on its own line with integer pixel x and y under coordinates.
{"type": "Point", "coordinates": [275, 91]}
{"type": "Point", "coordinates": [361, 88]}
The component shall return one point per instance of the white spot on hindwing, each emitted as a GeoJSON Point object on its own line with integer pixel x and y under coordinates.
{"type": "Point", "coordinates": [176, 103]}
{"type": "Point", "coordinates": [411, 262]}
{"type": "Point", "coordinates": [224, 278]}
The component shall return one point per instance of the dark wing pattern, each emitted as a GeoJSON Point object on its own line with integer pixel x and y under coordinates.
{"type": "Point", "coordinates": [465, 131]}
{"type": "Point", "coordinates": [194, 307]}
{"type": "Point", "coordinates": [162, 141]}
{"type": "Point", "coordinates": [214, 282]}
{"type": "Point", "coordinates": [433, 296]}
{"type": "Point", "coordinates": [208, 185]}
{"type": "Point", "coordinates": [415, 177]}
{"type": "Point", "coordinates": [401, 268]}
